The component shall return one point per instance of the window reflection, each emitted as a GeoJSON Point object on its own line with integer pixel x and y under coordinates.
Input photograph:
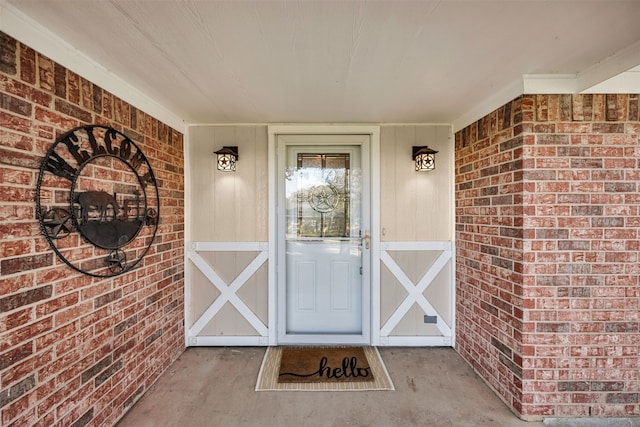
{"type": "Point", "coordinates": [318, 196]}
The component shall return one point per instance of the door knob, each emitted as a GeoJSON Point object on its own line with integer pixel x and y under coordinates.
{"type": "Point", "coordinates": [367, 239]}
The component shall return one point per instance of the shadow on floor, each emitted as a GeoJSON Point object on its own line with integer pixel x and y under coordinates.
{"type": "Point", "coordinates": [214, 386]}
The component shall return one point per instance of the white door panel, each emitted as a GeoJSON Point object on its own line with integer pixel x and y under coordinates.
{"type": "Point", "coordinates": [324, 290]}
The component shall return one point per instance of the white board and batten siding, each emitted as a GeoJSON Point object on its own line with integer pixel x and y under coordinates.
{"type": "Point", "coordinates": [226, 275]}
{"type": "Point", "coordinates": [227, 252]}
{"type": "Point", "coordinates": [416, 276]}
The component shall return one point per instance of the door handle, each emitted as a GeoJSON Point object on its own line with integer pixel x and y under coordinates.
{"type": "Point", "coordinates": [367, 239]}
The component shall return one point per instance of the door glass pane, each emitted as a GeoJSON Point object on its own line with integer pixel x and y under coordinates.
{"type": "Point", "coordinates": [321, 192]}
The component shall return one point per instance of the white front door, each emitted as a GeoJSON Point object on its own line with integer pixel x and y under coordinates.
{"type": "Point", "coordinates": [323, 239]}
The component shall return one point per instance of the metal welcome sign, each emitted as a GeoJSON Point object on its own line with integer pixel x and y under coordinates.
{"type": "Point", "coordinates": [97, 201]}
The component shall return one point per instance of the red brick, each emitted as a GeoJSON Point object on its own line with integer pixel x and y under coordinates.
{"type": "Point", "coordinates": [12, 302]}
{"type": "Point", "coordinates": [73, 111]}
{"type": "Point", "coordinates": [13, 122]}
{"type": "Point", "coordinates": [25, 91]}
{"type": "Point", "coordinates": [15, 319]}
{"type": "Point", "coordinates": [15, 105]}
{"type": "Point", "coordinates": [14, 401]}
{"type": "Point", "coordinates": [18, 158]}
{"type": "Point", "coordinates": [60, 79]}
{"type": "Point", "coordinates": [27, 64]}
{"type": "Point", "coordinates": [16, 194]}
{"type": "Point", "coordinates": [13, 248]}
{"type": "Point", "coordinates": [55, 119]}
{"type": "Point", "coordinates": [72, 313]}
{"type": "Point", "coordinates": [622, 398]}
{"type": "Point", "coordinates": [14, 140]}
{"type": "Point", "coordinates": [11, 357]}
{"type": "Point", "coordinates": [107, 298]}
{"type": "Point", "coordinates": [26, 367]}
{"type": "Point", "coordinates": [56, 304]}
{"type": "Point", "coordinates": [8, 59]}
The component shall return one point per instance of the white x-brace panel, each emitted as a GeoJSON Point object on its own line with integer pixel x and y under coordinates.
{"type": "Point", "coordinates": [415, 293]}
{"type": "Point", "coordinates": [228, 293]}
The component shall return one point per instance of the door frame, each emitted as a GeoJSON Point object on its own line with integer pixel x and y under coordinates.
{"type": "Point", "coordinates": [277, 269]}
{"type": "Point", "coordinates": [323, 144]}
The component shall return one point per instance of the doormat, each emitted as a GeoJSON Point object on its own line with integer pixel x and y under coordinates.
{"type": "Point", "coordinates": [334, 364]}
{"type": "Point", "coordinates": [323, 369]}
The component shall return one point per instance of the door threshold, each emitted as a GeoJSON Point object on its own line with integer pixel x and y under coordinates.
{"type": "Point", "coordinates": [322, 339]}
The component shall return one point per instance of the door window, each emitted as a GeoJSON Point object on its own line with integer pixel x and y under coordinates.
{"type": "Point", "coordinates": [322, 196]}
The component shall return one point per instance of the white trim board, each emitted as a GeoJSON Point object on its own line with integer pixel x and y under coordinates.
{"type": "Point", "coordinates": [614, 74]}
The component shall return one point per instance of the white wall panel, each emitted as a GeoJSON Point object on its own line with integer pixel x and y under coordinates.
{"type": "Point", "coordinates": [228, 206]}
{"type": "Point", "coordinates": [416, 213]}
{"type": "Point", "coordinates": [416, 206]}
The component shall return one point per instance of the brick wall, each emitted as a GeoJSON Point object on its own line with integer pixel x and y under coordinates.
{"type": "Point", "coordinates": [489, 242]}
{"type": "Point", "coordinates": [77, 350]}
{"type": "Point", "coordinates": [548, 312]}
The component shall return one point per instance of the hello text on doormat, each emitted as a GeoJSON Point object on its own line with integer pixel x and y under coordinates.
{"type": "Point", "coordinates": [340, 364]}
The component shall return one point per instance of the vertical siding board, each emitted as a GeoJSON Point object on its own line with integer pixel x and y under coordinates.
{"type": "Point", "coordinates": [440, 293]}
{"type": "Point", "coordinates": [246, 185]}
{"type": "Point", "coordinates": [203, 293]}
{"type": "Point", "coordinates": [224, 191]}
{"type": "Point", "coordinates": [445, 213]}
{"type": "Point", "coordinates": [262, 185]}
{"type": "Point", "coordinates": [426, 187]}
{"type": "Point", "coordinates": [406, 185]}
{"type": "Point", "coordinates": [387, 182]}
{"type": "Point", "coordinates": [391, 293]}
{"type": "Point", "coordinates": [202, 164]}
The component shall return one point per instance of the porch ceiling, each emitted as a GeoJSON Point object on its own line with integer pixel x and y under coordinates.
{"type": "Point", "coordinates": [342, 61]}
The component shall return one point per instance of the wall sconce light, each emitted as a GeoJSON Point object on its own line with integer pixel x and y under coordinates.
{"type": "Point", "coordinates": [424, 158]}
{"type": "Point", "coordinates": [227, 159]}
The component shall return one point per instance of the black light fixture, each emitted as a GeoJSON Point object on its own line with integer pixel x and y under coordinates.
{"type": "Point", "coordinates": [424, 158]}
{"type": "Point", "coordinates": [227, 159]}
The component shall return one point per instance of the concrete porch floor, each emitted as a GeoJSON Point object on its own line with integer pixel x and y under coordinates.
{"type": "Point", "coordinates": [214, 386]}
